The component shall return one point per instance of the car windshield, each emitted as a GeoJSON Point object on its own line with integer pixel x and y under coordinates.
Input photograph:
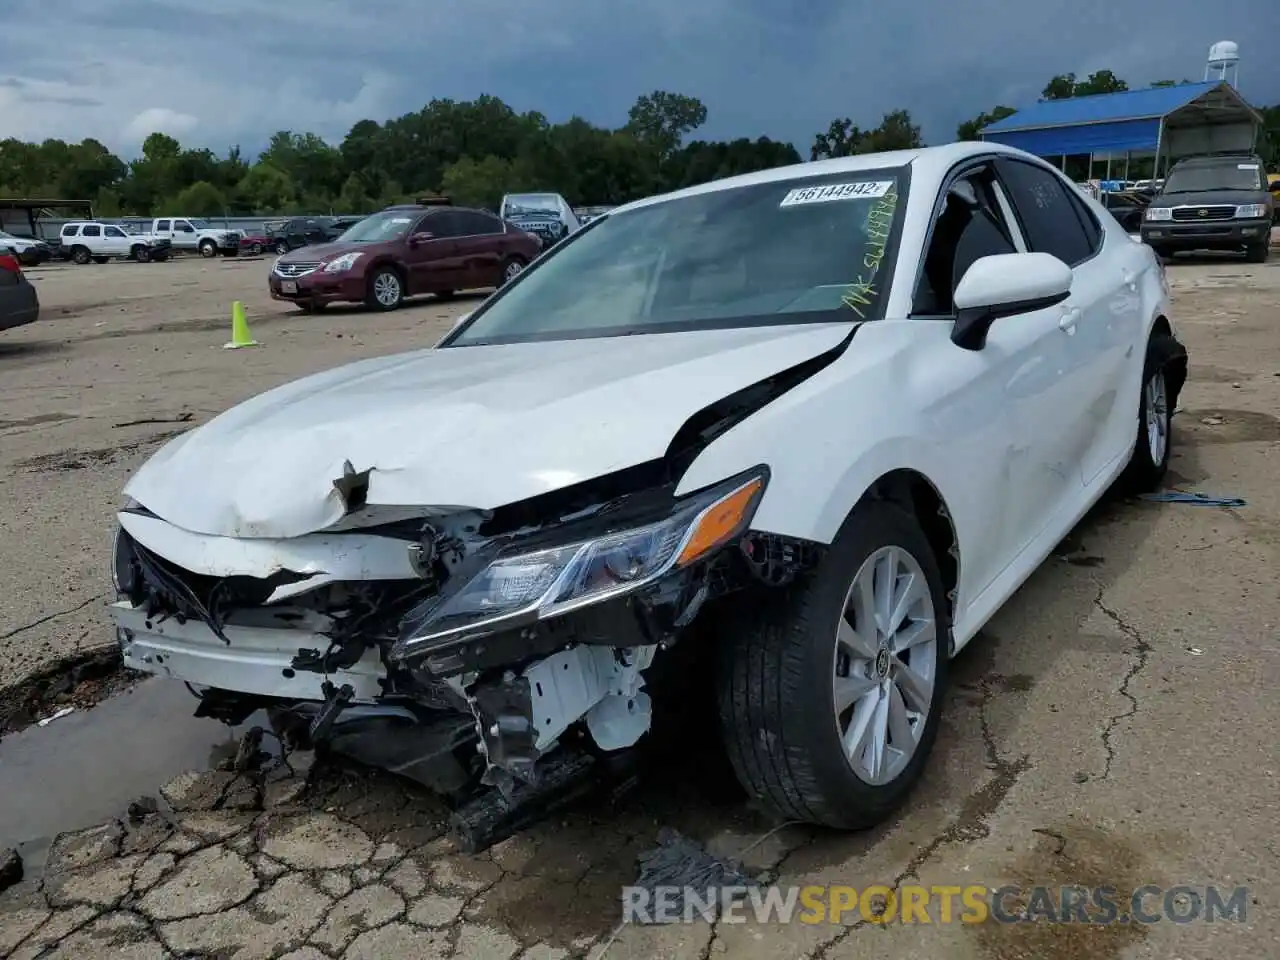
{"type": "Point", "coordinates": [526, 203]}
{"type": "Point", "coordinates": [789, 251]}
{"type": "Point", "coordinates": [390, 225]}
{"type": "Point", "coordinates": [1225, 176]}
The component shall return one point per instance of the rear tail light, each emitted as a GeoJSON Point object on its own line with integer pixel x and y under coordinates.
{"type": "Point", "coordinates": [10, 264]}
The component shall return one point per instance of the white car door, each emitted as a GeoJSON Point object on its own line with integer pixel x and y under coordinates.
{"type": "Point", "coordinates": [163, 230]}
{"type": "Point", "coordinates": [1057, 221]}
{"type": "Point", "coordinates": [1008, 393]}
{"type": "Point", "coordinates": [184, 235]}
{"type": "Point", "coordinates": [115, 242]}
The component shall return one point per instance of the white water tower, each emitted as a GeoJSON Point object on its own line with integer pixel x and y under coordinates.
{"type": "Point", "coordinates": [1224, 62]}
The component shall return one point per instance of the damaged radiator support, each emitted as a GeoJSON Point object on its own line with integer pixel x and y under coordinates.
{"type": "Point", "coordinates": [522, 717]}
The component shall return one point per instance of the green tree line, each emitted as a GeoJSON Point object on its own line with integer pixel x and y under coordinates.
{"type": "Point", "coordinates": [473, 151]}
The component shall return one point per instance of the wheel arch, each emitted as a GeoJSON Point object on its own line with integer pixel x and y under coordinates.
{"type": "Point", "coordinates": [396, 267]}
{"type": "Point", "coordinates": [910, 490]}
{"type": "Point", "coordinates": [1176, 367]}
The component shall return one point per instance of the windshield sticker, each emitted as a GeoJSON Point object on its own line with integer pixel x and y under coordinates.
{"type": "Point", "coordinates": [1246, 166]}
{"type": "Point", "coordinates": [402, 220]}
{"type": "Point", "coordinates": [862, 190]}
{"type": "Point", "coordinates": [859, 294]}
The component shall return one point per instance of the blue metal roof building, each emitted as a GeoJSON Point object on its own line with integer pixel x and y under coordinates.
{"type": "Point", "coordinates": [1167, 121]}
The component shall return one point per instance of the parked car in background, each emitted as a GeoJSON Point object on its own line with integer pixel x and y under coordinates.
{"type": "Point", "coordinates": [30, 252]}
{"type": "Point", "coordinates": [1218, 202]}
{"type": "Point", "coordinates": [340, 225]}
{"type": "Point", "coordinates": [654, 479]}
{"type": "Point", "coordinates": [19, 303]}
{"type": "Point", "coordinates": [402, 252]}
{"type": "Point", "coordinates": [193, 235]}
{"type": "Point", "coordinates": [85, 241]}
{"type": "Point", "coordinates": [1127, 207]}
{"type": "Point", "coordinates": [252, 244]}
{"type": "Point", "coordinates": [547, 216]}
{"type": "Point", "coordinates": [298, 232]}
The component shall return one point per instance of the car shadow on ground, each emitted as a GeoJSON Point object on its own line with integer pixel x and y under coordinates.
{"type": "Point", "coordinates": [21, 349]}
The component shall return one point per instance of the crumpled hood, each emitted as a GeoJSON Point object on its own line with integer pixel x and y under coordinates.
{"type": "Point", "coordinates": [464, 426]}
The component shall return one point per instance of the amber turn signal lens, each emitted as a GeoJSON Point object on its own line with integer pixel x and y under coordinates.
{"type": "Point", "coordinates": [720, 522]}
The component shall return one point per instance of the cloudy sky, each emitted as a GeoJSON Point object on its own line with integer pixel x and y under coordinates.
{"type": "Point", "coordinates": [218, 72]}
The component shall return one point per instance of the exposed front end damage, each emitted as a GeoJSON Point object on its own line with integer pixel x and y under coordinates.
{"type": "Point", "coordinates": [496, 656]}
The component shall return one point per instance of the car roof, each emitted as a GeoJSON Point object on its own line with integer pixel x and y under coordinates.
{"type": "Point", "coordinates": [928, 163]}
{"type": "Point", "coordinates": [1219, 158]}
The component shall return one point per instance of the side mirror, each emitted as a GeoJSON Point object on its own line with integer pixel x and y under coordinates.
{"type": "Point", "coordinates": [418, 238]}
{"type": "Point", "coordinates": [1004, 285]}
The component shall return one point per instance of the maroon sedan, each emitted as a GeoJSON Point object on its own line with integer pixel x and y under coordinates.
{"type": "Point", "coordinates": [401, 252]}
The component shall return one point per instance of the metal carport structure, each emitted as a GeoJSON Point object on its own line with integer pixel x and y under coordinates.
{"type": "Point", "coordinates": [1165, 122]}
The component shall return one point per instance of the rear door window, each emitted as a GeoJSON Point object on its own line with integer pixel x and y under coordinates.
{"type": "Point", "coordinates": [1048, 214]}
{"type": "Point", "coordinates": [70, 230]}
{"type": "Point", "coordinates": [162, 225]}
{"type": "Point", "coordinates": [91, 231]}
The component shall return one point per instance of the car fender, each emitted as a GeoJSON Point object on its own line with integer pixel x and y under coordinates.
{"type": "Point", "coordinates": [890, 402]}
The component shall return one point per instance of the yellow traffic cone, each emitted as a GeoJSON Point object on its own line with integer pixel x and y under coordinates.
{"type": "Point", "coordinates": [240, 335]}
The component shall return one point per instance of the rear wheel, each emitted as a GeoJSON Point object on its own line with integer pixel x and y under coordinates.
{"type": "Point", "coordinates": [386, 291]}
{"type": "Point", "coordinates": [256, 249]}
{"type": "Point", "coordinates": [81, 255]}
{"type": "Point", "coordinates": [281, 247]}
{"type": "Point", "coordinates": [830, 701]}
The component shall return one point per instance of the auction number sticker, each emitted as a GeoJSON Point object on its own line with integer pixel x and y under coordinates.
{"type": "Point", "coordinates": [830, 192]}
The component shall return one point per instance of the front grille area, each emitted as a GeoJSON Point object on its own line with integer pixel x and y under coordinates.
{"type": "Point", "coordinates": [291, 270]}
{"type": "Point", "coordinates": [1216, 212]}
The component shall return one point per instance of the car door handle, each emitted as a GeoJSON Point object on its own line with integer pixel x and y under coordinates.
{"type": "Point", "coordinates": [1068, 321]}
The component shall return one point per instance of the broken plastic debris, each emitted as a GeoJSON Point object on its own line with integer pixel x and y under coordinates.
{"type": "Point", "coordinates": [679, 864]}
{"type": "Point", "coordinates": [57, 716]}
{"type": "Point", "coordinates": [1194, 651]}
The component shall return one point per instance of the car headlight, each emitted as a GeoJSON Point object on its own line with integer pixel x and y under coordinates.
{"type": "Point", "coordinates": [1251, 211]}
{"type": "Point", "coordinates": [343, 263]}
{"type": "Point", "coordinates": [1159, 213]}
{"type": "Point", "coordinates": [524, 586]}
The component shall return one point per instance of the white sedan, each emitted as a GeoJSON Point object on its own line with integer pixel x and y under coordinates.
{"type": "Point", "coordinates": [792, 437]}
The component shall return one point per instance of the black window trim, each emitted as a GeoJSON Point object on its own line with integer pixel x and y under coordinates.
{"type": "Point", "coordinates": [959, 171]}
{"type": "Point", "coordinates": [1074, 200]}
{"type": "Point", "coordinates": [84, 231]}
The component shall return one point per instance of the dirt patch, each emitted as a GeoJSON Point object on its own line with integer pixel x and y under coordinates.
{"type": "Point", "coordinates": [1075, 856]}
{"type": "Point", "coordinates": [1230, 426]}
{"type": "Point", "coordinates": [80, 682]}
{"type": "Point", "coordinates": [66, 460]}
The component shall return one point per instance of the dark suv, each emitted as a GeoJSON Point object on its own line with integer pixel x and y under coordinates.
{"type": "Point", "coordinates": [1216, 202]}
{"type": "Point", "coordinates": [403, 251]}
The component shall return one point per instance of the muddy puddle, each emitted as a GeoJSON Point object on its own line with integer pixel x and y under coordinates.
{"type": "Point", "coordinates": [87, 766]}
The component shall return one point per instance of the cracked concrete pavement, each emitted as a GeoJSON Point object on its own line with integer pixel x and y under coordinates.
{"type": "Point", "coordinates": [1111, 726]}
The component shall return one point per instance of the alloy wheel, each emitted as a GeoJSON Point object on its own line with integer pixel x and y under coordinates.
{"type": "Point", "coordinates": [885, 665]}
{"type": "Point", "coordinates": [1157, 405]}
{"type": "Point", "coordinates": [513, 270]}
{"type": "Point", "coordinates": [386, 289]}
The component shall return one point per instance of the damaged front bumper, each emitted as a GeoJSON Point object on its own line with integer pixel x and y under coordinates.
{"type": "Point", "coordinates": [439, 647]}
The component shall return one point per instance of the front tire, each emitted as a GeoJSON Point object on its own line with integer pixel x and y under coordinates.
{"type": "Point", "coordinates": [208, 249]}
{"type": "Point", "coordinates": [830, 701]}
{"type": "Point", "coordinates": [511, 269]}
{"type": "Point", "coordinates": [1258, 252]}
{"type": "Point", "coordinates": [1160, 385]}
{"type": "Point", "coordinates": [281, 247]}
{"type": "Point", "coordinates": [140, 254]}
{"type": "Point", "coordinates": [386, 290]}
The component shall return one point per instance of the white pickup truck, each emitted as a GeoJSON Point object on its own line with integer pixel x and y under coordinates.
{"type": "Point", "coordinates": [192, 235]}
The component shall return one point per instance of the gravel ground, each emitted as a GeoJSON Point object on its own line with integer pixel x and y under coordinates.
{"type": "Point", "coordinates": [1113, 725]}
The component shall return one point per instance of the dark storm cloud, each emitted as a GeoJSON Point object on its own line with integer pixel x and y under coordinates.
{"type": "Point", "coordinates": [779, 67]}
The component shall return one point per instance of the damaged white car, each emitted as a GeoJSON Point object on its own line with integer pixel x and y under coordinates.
{"type": "Point", "coordinates": [806, 428]}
